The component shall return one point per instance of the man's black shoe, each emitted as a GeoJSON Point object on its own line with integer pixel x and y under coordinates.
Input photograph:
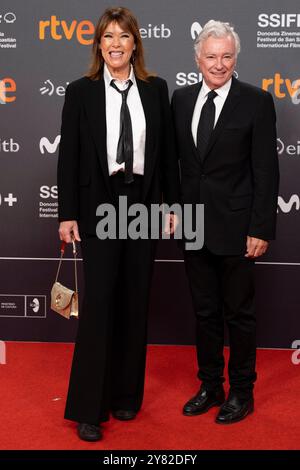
{"type": "Point", "coordinates": [234, 409]}
{"type": "Point", "coordinates": [124, 415]}
{"type": "Point", "coordinates": [203, 401]}
{"type": "Point", "coordinates": [89, 432]}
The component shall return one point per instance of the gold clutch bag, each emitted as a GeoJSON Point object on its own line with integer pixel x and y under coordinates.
{"type": "Point", "coordinates": [64, 300]}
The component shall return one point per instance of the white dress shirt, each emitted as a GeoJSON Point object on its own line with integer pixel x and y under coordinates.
{"type": "Point", "coordinates": [202, 97]}
{"type": "Point", "coordinates": [138, 121]}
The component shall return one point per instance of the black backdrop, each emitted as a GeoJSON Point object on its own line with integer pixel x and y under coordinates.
{"type": "Point", "coordinates": [37, 60]}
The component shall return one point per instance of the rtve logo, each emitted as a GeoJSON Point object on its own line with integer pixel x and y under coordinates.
{"type": "Point", "coordinates": [84, 30]}
{"type": "Point", "coordinates": [283, 87]}
{"type": "Point", "coordinates": [7, 86]}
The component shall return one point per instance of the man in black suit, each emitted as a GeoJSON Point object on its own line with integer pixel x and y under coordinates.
{"type": "Point", "coordinates": [226, 138]}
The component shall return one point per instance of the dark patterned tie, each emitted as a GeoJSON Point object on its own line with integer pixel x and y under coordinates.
{"type": "Point", "coordinates": [206, 123]}
{"type": "Point", "coordinates": [125, 144]}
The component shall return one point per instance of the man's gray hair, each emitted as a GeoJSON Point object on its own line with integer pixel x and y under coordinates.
{"type": "Point", "coordinates": [217, 29]}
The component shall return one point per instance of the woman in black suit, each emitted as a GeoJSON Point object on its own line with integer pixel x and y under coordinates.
{"type": "Point", "coordinates": [104, 154]}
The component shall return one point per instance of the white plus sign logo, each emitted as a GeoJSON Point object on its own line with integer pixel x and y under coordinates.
{"type": "Point", "coordinates": [10, 199]}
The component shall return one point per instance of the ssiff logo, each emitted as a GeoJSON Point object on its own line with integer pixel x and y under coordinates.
{"type": "Point", "coordinates": [276, 20]}
{"type": "Point", "coordinates": [2, 352]}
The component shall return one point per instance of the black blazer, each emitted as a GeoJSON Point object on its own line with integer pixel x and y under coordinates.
{"type": "Point", "coordinates": [238, 179]}
{"type": "Point", "coordinates": [83, 179]}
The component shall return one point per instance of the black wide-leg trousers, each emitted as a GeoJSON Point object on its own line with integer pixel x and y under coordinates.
{"type": "Point", "coordinates": [222, 289]}
{"type": "Point", "coordinates": [109, 359]}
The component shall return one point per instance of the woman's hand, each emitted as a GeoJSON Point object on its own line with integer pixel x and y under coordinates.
{"type": "Point", "coordinates": [68, 230]}
{"type": "Point", "coordinates": [171, 224]}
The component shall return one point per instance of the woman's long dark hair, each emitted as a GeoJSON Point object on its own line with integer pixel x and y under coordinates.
{"type": "Point", "coordinates": [127, 21]}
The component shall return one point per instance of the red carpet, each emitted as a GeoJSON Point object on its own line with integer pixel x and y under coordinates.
{"type": "Point", "coordinates": [34, 384]}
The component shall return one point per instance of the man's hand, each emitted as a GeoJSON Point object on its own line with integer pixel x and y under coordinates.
{"type": "Point", "coordinates": [69, 230]}
{"type": "Point", "coordinates": [256, 247]}
{"type": "Point", "coordinates": [171, 223]}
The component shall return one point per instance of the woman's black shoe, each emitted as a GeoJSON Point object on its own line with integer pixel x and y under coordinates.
{"type": "Point", "coordinates": [89, 432]}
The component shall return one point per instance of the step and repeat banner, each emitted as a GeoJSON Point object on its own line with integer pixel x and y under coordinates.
{"type": "Point", "coordinates": [45, 45]}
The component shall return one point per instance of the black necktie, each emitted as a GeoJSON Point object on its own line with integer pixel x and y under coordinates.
{"type": "Point", "coordinates": [125, 144]}
{"type": "Point", "coordinates": [206, 123]}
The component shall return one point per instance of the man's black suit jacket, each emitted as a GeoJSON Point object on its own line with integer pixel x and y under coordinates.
{"type": "Point", "coordinates": [237, 180]}
{"type": "Point", "coordinates": [83, 178]}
